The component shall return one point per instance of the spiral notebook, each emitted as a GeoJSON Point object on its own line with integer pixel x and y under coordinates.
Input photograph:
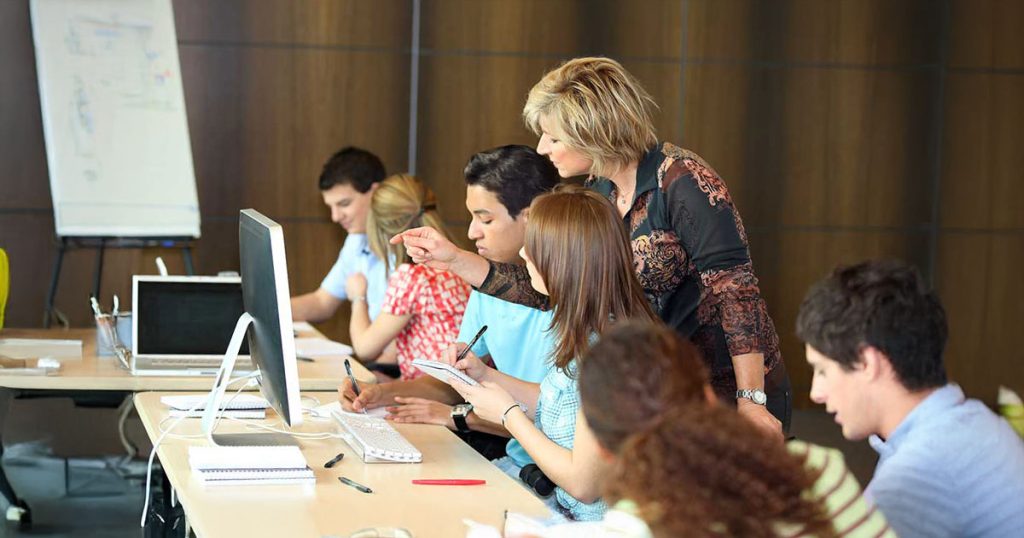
{"type": "Point", "coordinates": [249, 465]}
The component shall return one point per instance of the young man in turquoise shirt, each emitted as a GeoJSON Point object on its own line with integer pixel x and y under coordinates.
{"type": "Point", "coordinates": [500, 185]}
{"type": "Point", "coordinates": [948, 466]}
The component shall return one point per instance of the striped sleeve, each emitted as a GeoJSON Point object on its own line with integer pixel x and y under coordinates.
{"type": "Point", "coordinates": [851, 515]}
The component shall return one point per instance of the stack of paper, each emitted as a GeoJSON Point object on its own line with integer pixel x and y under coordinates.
{"type": "Point", "coordinates": [243, 465]}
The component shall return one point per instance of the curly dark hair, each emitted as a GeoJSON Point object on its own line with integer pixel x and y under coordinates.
{"type": "Point", "coordinates": [692, 468]}
{"type": "Point", "coordinates": [884, 304]}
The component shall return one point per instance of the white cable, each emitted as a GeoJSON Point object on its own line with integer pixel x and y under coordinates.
{"type": "Point", "coordinates": [152, 453]}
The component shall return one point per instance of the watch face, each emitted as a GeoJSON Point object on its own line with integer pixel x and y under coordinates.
{"type": "Point", "coordinates": [759, 397]}
{"type": "Point", "coordinates": [462, 409]}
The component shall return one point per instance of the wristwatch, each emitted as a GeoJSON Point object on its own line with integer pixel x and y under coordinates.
{"type": "Point", "coordinates": [459, 413]}
{"type": "Point", "coordinates": [755, 395]}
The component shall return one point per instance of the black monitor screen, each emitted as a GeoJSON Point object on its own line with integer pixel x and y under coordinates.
{"type": "Point", "coordinates": [187, 318]}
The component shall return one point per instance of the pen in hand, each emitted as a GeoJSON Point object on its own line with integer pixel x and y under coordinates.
{"type": "Point", "coordinates": [472, 342]}
{"type": "Point", "coordinates": [356, 485]}
{"type": "Point", "coordinates": [352, 378]}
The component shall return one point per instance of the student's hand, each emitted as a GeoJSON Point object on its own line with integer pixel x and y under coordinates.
{"type": "Point", "coordinates": [371, 395]}
{"type": "Point", "coordinates": [355, 286]}
{"type": "Point", "coordinates": [761, 418]}
{"type": "Point", "coordinates": [470, 364]}
{"type": "Point", "coordinates": [489, 399]}
{"type": "Point", "coordinates": [422, 411]}
{"type": "Point", "coordinates": [428, 246]}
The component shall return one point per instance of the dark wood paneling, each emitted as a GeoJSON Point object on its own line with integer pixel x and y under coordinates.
{"type": "Point", "coordinates": [645, 28]}
{"type": "Point", "coordinates": [859, 32]}
{"type": "Point", "coordinates": [981, 288]}
{"type": "Point", "coordinates": [263, 121]}
{"type": "Point", "coordinates": [987, 33]}
{"type": "Point", "coordinates": [981, 155]}
{"type": "Point", "coordinates": [347, 23]}
{"type": "Point", "coordinates": [469, 104]}
{"type": "Point", "coordinates": [24, 182]}
{"type": "Point", "coordinates": [472, 103]}
{"type": "Point", "coordinates": [788, 262]}
{"type": "Point", "coordinates": [815, 147]}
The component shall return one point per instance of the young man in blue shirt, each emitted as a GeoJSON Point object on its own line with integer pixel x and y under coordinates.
{"type": "Point", "coordinates": [500, 185]}
{"type": "Point", "coordinates": [347, 183]}
{"type": "Point", "coordinates": [948, 466]}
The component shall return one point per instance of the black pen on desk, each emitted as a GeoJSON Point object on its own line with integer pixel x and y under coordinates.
{"type": "Point", "coordinates": [334, 460]}
{"type": "Point", "coordinates": [352, 378]}
{"type": "Point", "coordinates": [472, 342]}
{"type": "Point", "coordinates": [356, 485]}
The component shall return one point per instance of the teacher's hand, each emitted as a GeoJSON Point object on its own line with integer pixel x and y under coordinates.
{"type": "Point", "coordinates": [759, 416]}
{"type": "Point", "coordinates": [428, 246]}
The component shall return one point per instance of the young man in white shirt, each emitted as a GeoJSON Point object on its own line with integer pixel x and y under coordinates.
{"type": "Point", "coordinates": [347, 183]}
{"type": "Point", "coordinates": [948, 466]}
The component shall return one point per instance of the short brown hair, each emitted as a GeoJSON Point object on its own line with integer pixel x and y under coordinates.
{"type": "Point", "coordinates": [577, 242]}
{"type": "Point", "coordinates": [399, 203]}
{"type": "Point", "coordinates": [601, 109]}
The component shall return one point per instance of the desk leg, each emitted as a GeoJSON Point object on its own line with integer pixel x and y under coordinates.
{"type": "Point", "coordinates": [165, 520]}
{"type": "Point", "coordinates": [17, 510]}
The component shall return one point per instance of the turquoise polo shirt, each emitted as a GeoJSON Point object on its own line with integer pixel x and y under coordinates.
{"type": "Point", "coordinates": [518, 341]}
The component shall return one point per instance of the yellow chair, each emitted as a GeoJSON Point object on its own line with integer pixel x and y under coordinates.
{"type": "Point", "coordinates": [5, 284]}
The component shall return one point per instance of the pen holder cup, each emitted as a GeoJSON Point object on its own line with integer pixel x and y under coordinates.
{"type": "Point", "coordinates": [107, 333]}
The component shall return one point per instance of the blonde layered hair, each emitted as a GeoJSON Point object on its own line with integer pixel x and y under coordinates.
{"type": "Point", "coordinates": [600, 109]}
{"type": "Point", "coordinates": [577, 242]}
{"type": "Point", "coordinates": [399, 203]}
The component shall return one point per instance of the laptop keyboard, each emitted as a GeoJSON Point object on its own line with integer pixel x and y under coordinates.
{"type": "Point", "coordinates": [174, 363]}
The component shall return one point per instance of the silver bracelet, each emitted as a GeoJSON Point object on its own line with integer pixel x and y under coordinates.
{"type": "Point", "coordinates": [513, 406]}
{"type": "Point", "coordinates": [357, 298]}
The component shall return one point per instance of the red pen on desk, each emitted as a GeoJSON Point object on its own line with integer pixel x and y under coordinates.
{"type": "Point", "coordinates": [448, 482]}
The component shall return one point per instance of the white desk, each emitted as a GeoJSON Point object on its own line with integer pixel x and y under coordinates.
{"type": "Point", "coordinates": [96, 373]}
{"type": "Point", "coordinates": [331, 508]}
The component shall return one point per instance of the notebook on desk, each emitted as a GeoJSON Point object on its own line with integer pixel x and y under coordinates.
{"type": "Point", "coordinates": [181, 325]}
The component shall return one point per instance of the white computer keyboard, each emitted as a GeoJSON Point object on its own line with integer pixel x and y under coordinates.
{"type": "Point", "coordinates": [375, 440]}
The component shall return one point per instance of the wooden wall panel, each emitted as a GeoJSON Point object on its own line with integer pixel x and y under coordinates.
{"type": "Point", "coordinates": [788, 262]}
{"type": "Point", "coordinates": [981, 288]}
{"type": "Point", "coordinates": [986, 33]}
{"type": "Point", "coordinates": [982, 185]}
{"type": "Point", "coordinates": [24, 179]}
{"type": "Point", "coordinates": [350, 23]}
{"type": "Point", "coordinates": [814, 147]}
{"type": "Point", "coordinates": [264, 120]}
{"type": "Point", "coordinates": [860, 32]}
{"type": "Point", "coordinates": [562, 29]}
{"type": "Point", "coordinates": [469, 103]}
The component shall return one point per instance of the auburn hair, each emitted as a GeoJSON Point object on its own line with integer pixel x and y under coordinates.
{"type": "Point", "coordinates": [692, 467]}
{"type": "Point", "coordinates": [577, 242]}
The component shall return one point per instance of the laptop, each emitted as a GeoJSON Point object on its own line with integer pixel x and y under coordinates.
{"type": "Point", "coordinates": [181, 325]}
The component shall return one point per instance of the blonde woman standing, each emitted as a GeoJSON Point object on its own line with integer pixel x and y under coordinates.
{"type": "Point", "coordinates": [423, 306]}
{"type": "Point", "coordinates": [689, 246]}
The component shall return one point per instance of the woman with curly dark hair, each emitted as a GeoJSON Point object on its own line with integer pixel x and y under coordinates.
{"type": "Point", "coordinates": [686, 466]}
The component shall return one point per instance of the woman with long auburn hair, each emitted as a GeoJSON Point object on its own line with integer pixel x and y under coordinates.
{"type": "Point", "coordinates": [682, 465]}
{"type": "Point", "coordinates": [577, 254]}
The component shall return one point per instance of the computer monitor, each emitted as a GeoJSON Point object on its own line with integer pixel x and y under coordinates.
{"type": "Point", "coordinates": [266, 298]}
{"type": "Point", "coordinates": [268, 309]}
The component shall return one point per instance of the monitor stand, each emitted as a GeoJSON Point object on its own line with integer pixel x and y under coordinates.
{"type": "Point", "coordinates": [220, 386]}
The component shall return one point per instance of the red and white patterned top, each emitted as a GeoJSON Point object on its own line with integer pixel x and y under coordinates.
{"type": "Point", "coordinates": [437, 300]}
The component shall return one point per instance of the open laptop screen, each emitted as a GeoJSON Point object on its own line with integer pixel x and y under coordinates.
{"type": "Point", "coordinates": [186, 315]}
